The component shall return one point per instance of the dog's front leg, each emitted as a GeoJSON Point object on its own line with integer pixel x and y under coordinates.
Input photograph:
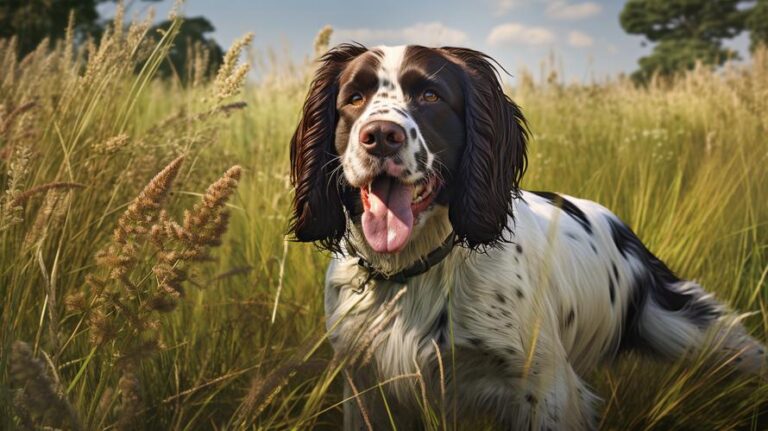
{"type": "Point", "coordinates": [553, 399]}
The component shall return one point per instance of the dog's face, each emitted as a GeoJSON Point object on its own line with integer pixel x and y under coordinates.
{"type": "Point", "coordinates": [392, 132]}
{"type": "Point", "coordinates": [392, 102]}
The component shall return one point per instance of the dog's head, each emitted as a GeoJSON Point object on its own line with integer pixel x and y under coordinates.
{"type": "Point", "coordinates": [393, 134]}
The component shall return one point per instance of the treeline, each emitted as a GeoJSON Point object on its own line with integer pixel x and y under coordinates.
{"type": "Point", "coordinates": [32, 21]}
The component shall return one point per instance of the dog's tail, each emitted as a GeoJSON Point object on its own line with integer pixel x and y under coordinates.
{"type": "Point", "coordinates": [672, 318]}
{"type": "Point", "coordinates": [681, 319]}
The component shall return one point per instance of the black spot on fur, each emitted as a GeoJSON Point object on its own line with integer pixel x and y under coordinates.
{"type": "Point", "coordinates": [615, 271]}
{"type": "Point", "coordinates": [511, 351]}
{"type": "Point", "coordinates": [611, 290]}
{"type": "Point", "coordinates": [519, 248]}
{"type": "Point", "coordinates": [572, 236]}
{"type": "Point", "coordinates": [656, 282]}
{"type": "Point", "coordinates": [413, 133]}
{"type": "Point", "coordinates": [519, 293]}
{"type": "Point", "coordinates": [530, 398]}
{"type": "Point", "coordinates": [569, 208]}
{"type": "Point", "coordinates": [569, 318]}
{"type": "Point", "coordinates": [385, 82]}
{"type": "Point", "coordinates": [500, 298]}
{"type": "Point", "coordinates": [622, 236]}
{"type": "Point", "coordinates": [441, 327]}
{"type": "Point", "coordinates": [476, 342]}
{"type": "Point", "coordinates": [384, 94]}
{"type": "Point", "coordinates": [399, 111]}
{"type": "Point", "coordinates": [594, 249]}
{"type": "Point", "coordinates": [519, 277]}
{"type": "Point", "coordinates": [381, 111]}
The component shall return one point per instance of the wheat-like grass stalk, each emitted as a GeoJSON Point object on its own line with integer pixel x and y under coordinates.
{"type": "Point", "coordinates": [131, 406]}
{"type": "Point", "coordinates": [21, 198]}
{"type": "Point", "coordinates": [11, 210]}
{"type": "Point", "coordinates": [322, 40]}
{"type": "Point", "coordinates": [230, 76]}
{"type": "Point", "coordinates": [38, 399]}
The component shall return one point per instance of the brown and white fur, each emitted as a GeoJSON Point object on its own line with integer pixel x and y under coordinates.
{"type": "Point", "coordinates": [541, 288]}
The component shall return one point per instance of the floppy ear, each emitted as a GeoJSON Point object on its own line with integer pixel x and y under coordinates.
{"type": "Point", "coordinates": [318, 215]}
{"type": "Point", "coordinates": [494, 157]}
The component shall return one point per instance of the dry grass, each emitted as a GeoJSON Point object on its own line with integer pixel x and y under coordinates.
{"type": "Point", "coordinates": [135, 310]}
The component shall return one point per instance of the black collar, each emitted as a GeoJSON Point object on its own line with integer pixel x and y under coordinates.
{"type": "Point", "coordinates": [421, 266]}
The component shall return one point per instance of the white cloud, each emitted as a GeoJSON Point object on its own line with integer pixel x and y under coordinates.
{"type": "Point", "coordinates": [579, 39]}
{"type": "Point", "coordinates": [562, 10]}
{"type": "Point", "coordinates": [423, 33]}
{"type": "Point", "coordinates": [504, 6]}
{"type": "Point", "coordinates": [520, 34]}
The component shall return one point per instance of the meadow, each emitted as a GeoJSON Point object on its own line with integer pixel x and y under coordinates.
{"type": "Point", "coordinates": [146, 279]}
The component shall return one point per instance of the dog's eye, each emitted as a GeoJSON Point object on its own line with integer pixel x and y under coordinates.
{"type": "Point", "coordinates": [356, 99]}
{"type": "Point", "coordinates": [430, 96]}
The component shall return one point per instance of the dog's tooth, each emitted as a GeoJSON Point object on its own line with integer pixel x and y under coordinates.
{"type": "Point", "coordinates": [417, 190]}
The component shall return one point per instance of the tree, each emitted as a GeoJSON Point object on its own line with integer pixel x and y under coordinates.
{"type": "Point", "coordinates": [686, 31]}
{"type": "Point", "coordinates": [757, 24]}
{"type": "Point", "coordinates": [31, 21]}
{"type": "Point", "coordinates": [190, 42]}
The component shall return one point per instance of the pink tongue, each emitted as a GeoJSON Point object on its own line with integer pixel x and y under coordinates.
{"type": "Point", "coordinates": [388, 220]}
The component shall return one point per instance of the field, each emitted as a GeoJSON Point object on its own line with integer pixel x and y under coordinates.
{"type": "Point", "coordinates": [175, 302]}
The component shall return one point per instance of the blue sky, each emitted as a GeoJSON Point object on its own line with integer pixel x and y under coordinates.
{"type": "Point", "coordinates": [583, 35]}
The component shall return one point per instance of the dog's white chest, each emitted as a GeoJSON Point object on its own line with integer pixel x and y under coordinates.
{"type": "Point", "coordinates": [425, 333]}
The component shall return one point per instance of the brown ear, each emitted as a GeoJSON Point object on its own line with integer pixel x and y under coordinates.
{"type": "Point", "coordinates": [318, 215]}
{"type": "Point", "coordinates": [494, 158]}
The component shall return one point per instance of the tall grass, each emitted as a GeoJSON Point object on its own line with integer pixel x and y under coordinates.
{"type": "Point", "coordinates": [121, 309]}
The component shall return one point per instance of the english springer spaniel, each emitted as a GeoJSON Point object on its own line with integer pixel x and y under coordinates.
{"type": "Point", "coordinates": [459, 293]}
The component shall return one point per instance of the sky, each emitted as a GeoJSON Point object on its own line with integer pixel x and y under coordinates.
{"type": "Point", "coordinates": [583, 36]}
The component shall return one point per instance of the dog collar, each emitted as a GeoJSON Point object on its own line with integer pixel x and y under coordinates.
{"type": "Point", "coordinates": [421, 266]}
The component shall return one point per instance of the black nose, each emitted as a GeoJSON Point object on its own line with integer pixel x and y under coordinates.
{"type": "Point", "coordinates": [382, 138]}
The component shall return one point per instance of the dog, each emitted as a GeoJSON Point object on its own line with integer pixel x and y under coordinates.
{"type": "Point", "coordinates": [457, 291]}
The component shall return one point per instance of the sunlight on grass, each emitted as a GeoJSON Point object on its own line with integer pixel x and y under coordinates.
{"type": "Point", "coordinates": [82, 133]}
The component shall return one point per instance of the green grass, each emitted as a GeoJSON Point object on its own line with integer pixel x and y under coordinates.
{"type": "Point", "coordinates": [684, 163]}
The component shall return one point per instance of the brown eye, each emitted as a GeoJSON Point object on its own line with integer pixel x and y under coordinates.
{"type": "Point", "coordinates": [431, 96]}
{"type": "Point", "coordinates": [356, 99]}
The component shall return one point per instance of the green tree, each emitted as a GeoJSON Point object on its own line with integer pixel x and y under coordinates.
{"type": "Point", "coordinates": [33, 20]}
{"type": "Point", "coordinates": [757, 24]}
{"type": "Point", "coordinates": [686, 31]}
{"type": "Point", "coordinates": [190, 43]}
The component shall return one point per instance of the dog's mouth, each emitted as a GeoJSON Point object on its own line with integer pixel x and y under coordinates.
{"type": "Point", "coordinates": [390, 208]}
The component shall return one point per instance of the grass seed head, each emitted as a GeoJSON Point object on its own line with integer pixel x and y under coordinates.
{"type": "Point", "coordinates": [230, 76]}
